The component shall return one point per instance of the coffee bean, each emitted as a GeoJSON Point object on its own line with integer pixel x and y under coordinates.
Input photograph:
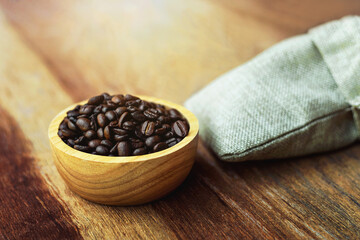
{"type": "Point", "coordinates": [119, 138]}
{"type": "Point", "coordinates": [120, 131]}
{"type": "Point", "coordinates": [136, 143]}
{"type": "Point", "coordinates": [122, 119]}
{"type": "Point", "coordinates": [86, 109]}
{"type": "Point", "coordinates": [63, 124]}
{"type": "Point", "coordinates": [133, 103]}
{"type": "Point", "coordinates": [96, 100]}
{"type": "Point", "coordinates": [138, 116]}
{"type": "Point", "coordinates": [180, 128]}
{"type": "Point", "coordinates": [122, 126]}
{"type": "Point", "coordinates": [129, 97]}
{"type": "Point", "coordinates": [82, 148]}
{"type": "Point", "coordinates": [102, 150]}
{"type": "Point", "coordinates": [139, 151]}
{"type": "Point", "coordinates": [160, 131]}
{"type": "Point", "coordinates": [101, 120]}
{"type": "Point", "coordinates": [94, 143]}
{"type": "Point", "coordinates": [124, 149]}
{"type": "Point", "coordinates": [83, 124]}
{"type": "Point", "coordinates": [107, 132]}
{"type": "Point", "coordinates": [106, 96]}
{"type": "Point", "coordinates": [106, 143]}
{"type": "Point", "coordinates": [160, 146]}
{"type": "Point", "coordinates": [113, 150]}
{"type": "Point", "coordinates": [118, 99]}
{"type": "Point", "coordinates": [132, 109]}
{"type": "Point", "coordinates": [148, 128]}
{"type": "Point", "coordinates": [175, 114]}
{"type": "Point", "coordinates": [98, 109]}
{"type": "Point", "coordinates": [152, 141]}
{"type": "Point", "coordinates": [171, 142]}
{"type": "Point", "coordinates": [169, 135]}
{"type": "Point", "coordinates": [80, 141]}
{"type": "Point", "coordinates": [100, 133]}
{"type": "Point", "coordinates": [73, 113]}
{"type": "Point", "coordinates": [120, 110]}
{"type": "Point", "coordinates": [111, 115]}
{"type": "Point", "coordinates": [71, 126]}
{"type": "Point", "coordinates": [71, 142]}
{"type": "Point", "coordinates": [151, 113]}
{"type": "Point", "coordinates": [128, 125]}
{"type": "Point", "coordinates": [68, 133]}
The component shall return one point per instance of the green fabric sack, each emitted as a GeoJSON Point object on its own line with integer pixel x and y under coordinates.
{"type": "Point", "coordinates": [299, 97]}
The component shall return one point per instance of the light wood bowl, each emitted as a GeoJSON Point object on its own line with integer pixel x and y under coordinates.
{"type": "Point", "coordinates": [125, 180]}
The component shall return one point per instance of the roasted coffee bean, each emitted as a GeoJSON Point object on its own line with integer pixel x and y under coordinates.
{"type": "Point", "coordinates": [71, 142]}
{"type": "Point", "coordinates": [111, 115]}
{"type": "Point", "coordinates": [80, 141]}
{"type": "Point", "coordinates": [124, 149]}
{"type": "Point", "coordinates": [122, 126]}
{"type": "Point", "coordinates": [147, 128]}
{"type": "Point", "coordinates": [138, 116]}
{"type": "Point", "coordinates": [98, 109]}
{"type": "Point", "coordinates": [120, 110]}
{"type": "Point", "coordinates": [101, 120]}
{"type": "Point", "coordinates": [160, 146]}
{"type": "Point", "coordinates": [71, 126]}
{"type": "Point", "coordinates": [113, 150]}
{"type": "Point", "coordinates": [171, 142]}
{"type": "Point", "coordinates": [151, 113]}
{"type": "Point", "coordinates": [106, 96]}
{"type": "Point", "coordinates": [73, 113]}
{"type": "Point", "coordinates": [82, 148]}
{"type": "Point", "coordinates": [118, 99]}
{"type": "Point", "coordinates": [132, 109]}
{"type": "Point", "coordinates": [107, 132]}
{"type": "Point", "coordinates": [100, 133]}
{"type": "Point", "coordinates": [90, 134]}
{"type": "Point", "coordinates": [63, 124]}
{"type": "Point", "coordinates": [83, 124]}
{"type": "Point", "coordinates": [106, 143]}
{"type": "Point", "coordinates": [86, 110]}
{"type": "Point", "coordinates": [122, 119]}
{"type": "Point", "coordinates": [94, 143]}
{"type": "Point", "coordinates": [102, 150]}
{"type": "Point", "coordinates": [139, 151]}
{"type": "Point", "coordinates": [133, 103]}
{"type": "Point", "coordinates": [152, 141]}
{"type": "Point", "coordinates": [164, 119]}
{"type": "Point", "coordinates": [119, 138]}
{"type": "Point", "coordinates": [169, 135]}
{"type": "Point", "coordinates": [180, 128]}
{"type": "Point", "coordinates": [136, 143]}
{"type": "Point", "coordinates": [160, 131]}
{"type": "Point", "coordinates": [128, 125]}
{"type": "Point", "coordinates": [96, 100]}
{"type": "Point", "coordinates": [68, 133]}
{"type": "Point", "coordinates": [175, 114]}
{"type": "Point", "coordinates": [129, 97]}
{"type": "Point", "coordinates": [120, 131]}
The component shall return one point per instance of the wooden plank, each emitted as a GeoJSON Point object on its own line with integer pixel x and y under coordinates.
{"type": "Point", "coordinates": [65, 51]}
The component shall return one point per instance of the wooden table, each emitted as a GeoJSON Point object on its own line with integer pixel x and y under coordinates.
{"type": "Point", "coordinates": [53, 53]}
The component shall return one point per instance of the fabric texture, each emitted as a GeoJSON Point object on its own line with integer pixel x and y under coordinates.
{"type": "Point", "coordinates": [299, 97]}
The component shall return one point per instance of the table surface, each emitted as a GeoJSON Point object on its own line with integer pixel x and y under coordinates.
{"type": "Point", "coordinates": [53, 53]}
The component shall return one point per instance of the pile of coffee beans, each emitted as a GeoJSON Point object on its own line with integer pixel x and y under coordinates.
{"type": "Point", "coordinates": [122, 125]}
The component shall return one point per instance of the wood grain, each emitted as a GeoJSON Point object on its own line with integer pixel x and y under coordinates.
{"type": "Point", "coordinates": [57, 52]}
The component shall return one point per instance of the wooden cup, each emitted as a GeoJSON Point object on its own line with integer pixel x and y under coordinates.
{"type": "Point", "coordinates": [125, 180]}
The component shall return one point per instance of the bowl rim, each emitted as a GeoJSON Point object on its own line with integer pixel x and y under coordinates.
{"type": "Point", "coordinates": [58, 143]}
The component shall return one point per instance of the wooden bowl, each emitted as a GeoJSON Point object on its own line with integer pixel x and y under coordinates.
{"type": "Point", "coordinates": [125, 180]}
